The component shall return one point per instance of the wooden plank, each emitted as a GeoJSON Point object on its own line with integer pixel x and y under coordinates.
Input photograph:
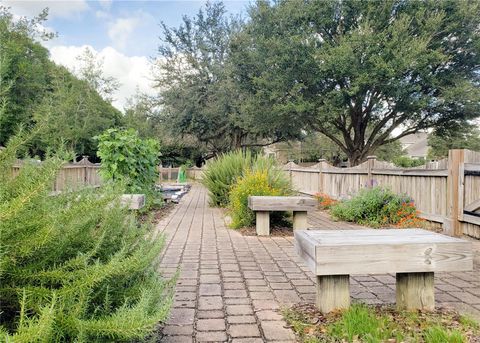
{"type": "Point", "coordinates": [376, 236]}
{"type": "Point", "coordinates": [133, 201]}
{"type": "Point", "coordinates": [305, 170]}
{"type": "Point", "coordinates": [472, 167]}
{"type": "Point", "coordinates": [415, 291]}
{"type": "Point", "coordinates": [345, 171]}
{"type": "Point", "coordinates": [340, 252]}
{"type": "Point", "coordinates": [304, 250]}
{"type": "Point", "coordinates": [455, 160]}
{"type": "Point", "coordinates": [438, 218]}
{"type": "Point", "coordinates": [412, 172]}
{"type": "Point", "coordinates": [280, 203]}
{"type": "Point", "coordinates": [461, 191]}
{"type": "Point", "coordinates": [471, 219]}
{"type": "Point", "coordinates": [472, 207]}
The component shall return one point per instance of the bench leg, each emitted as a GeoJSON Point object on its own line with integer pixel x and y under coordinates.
{"type": "Point", "coordinates": [300, 220]}
{"type": "Point", "coordinates": [415, 291]}
{"type": "Point", "coordinates": [333, 292]}
{"type": "Point", "coordinates": [263, 223]}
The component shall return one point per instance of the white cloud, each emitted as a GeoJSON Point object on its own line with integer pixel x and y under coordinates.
{"type": "Point", "coordinates": [102, 14]}
{"type": "Point", "coordinates": [106, 3]}
{"type": "Point", "coordinates": [31, 8]}
{"type": "Point", "coordinates": [130, 71]}
{"type": "Point", "coordinates": [121, 30]}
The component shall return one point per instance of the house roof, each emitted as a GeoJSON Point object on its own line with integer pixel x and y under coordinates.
{"type": "Point", "coordinates": [415, 145]}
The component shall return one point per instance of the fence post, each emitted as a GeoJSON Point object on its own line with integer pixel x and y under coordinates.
{"type": "Point", "coordinates": [159, 171]}
{"type": "Point", "coordinates": [452, 225]}
{"type": "Point", "coordinates": [290, 171]}
{"type": "Point", "coordinates": [370, 165]}
{"type": "Point", "coordinates": [85, 164]}
{"type": "Point", "coordinates": [320, 175]}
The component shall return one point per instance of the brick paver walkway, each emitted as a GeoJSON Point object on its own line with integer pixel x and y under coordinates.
{"type": "Point", "coordinates": [231, 287]}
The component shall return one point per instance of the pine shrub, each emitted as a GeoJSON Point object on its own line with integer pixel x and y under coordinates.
{"type": "Point", "coordinates": [75, 266]}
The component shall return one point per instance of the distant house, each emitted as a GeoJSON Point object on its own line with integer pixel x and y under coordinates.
{"type": "Point", "coordinates": [415, 145]}
{"type": "Point", "coordinates": [284, 151]}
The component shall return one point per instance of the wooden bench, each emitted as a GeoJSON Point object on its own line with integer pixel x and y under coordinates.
{"type": "Point", "coordinates": [133, 201]}
{"type": "Point", "coordinates": [263, 205]}
{"type": "Point", "coordinates": [413, 254]}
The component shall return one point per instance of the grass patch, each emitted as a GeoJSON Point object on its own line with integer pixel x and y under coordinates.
{"type": "Point", "coordinates": [372, 324]}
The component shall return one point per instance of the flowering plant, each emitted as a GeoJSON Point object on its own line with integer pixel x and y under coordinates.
{"type": "Point", "coordinates": [325, 202]}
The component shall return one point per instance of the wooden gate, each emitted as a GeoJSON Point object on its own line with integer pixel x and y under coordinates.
{"type": "Point", "coordinates": [469, 193]}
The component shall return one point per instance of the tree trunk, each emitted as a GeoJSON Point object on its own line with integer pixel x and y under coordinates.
{"type": "Point", "coordinates": [357, 157]}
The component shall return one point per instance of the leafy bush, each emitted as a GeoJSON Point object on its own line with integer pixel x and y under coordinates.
{"type": "Point", "coordinates": [222, 172]}
{"type": "Point", "coordinates": [129, 159]}
{"type": "Point", "coordinates": [76, 266]}
{"type": "Point", "coordinates": [378, 206]}
{"type": "Point", "coordinates": [407, 162]}
{"type": "Point", "coordinates": [264, 178]}
{"type": "Point", "coordinates": [325, 202]}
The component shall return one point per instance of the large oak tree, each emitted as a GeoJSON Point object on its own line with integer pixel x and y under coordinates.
{"type": "Point", "coordinates": [371, 71]}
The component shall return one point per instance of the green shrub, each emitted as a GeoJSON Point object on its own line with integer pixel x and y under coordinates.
{"type": "Point", "coordinates": [408, 162]}
{"type": "Point", "coordinates": [264, 178]}
{"type": "Point", "coordinates": [75, 267]}
{"type": "Point", "coordinates": [129, 159]}
{"type": "Point", "coordinates": [378, 206]}
{"type": "Point", "coordinates": [222, 172]}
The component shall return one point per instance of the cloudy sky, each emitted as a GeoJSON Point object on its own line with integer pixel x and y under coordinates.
{"type": "Point", "coordinates": [124, 33]}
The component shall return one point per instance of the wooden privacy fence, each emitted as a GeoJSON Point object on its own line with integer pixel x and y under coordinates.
{"type": "Point", "coordinates": [446, 192]}
{"type": "Point", "coordinates": [73, 175]}
{"type": "Point", "coordinates": [85, 173]}
{"type": "Point", "coordinates": [171, 173]}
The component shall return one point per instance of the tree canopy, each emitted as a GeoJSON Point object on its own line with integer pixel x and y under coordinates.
{"type": "Point", "coordinates": [361, 69]}
{"type": "Point", "coordinates": [454, 137]}
{"type": "Point", "coordinates": [34, 90]}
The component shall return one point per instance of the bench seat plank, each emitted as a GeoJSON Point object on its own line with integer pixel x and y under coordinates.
{"type": "Point", "coordinates": [281, 203]}
{"type": "Point", "coordinates": [380, 251]}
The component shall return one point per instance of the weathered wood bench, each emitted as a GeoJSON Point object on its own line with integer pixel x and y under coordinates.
{"type": "Point", "coordinates": [133, 201]}
{"type": "Point", "coordinates": [413, 254]}
{"type": "Point", "coordinates": [263, 205]}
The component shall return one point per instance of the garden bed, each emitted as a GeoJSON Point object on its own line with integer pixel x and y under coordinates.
{"type": "Point", "coordinates": [362, 323]}
{"type": "Point", "coordinates": [157, 214]}
{"type": "Point", "coordinates": [275, 231]}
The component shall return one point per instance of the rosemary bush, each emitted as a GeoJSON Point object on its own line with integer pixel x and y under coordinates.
{"type": "Point", "coordinates": [74, 267]}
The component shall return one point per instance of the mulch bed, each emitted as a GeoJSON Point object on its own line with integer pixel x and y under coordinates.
{"type": "Point", "coordinates": [161, 213]}
{"type": "Point", "coordinates": [157, 214]}
{"type": "Point", "coordinates": [274, 231]}
{"type": "Point", "coordinates": [316, 322]}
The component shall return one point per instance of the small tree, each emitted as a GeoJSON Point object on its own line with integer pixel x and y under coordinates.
{"type": "Point", "coordinates": [129, 159]}
{"type": "Point", "coordinates": [91, 71]}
